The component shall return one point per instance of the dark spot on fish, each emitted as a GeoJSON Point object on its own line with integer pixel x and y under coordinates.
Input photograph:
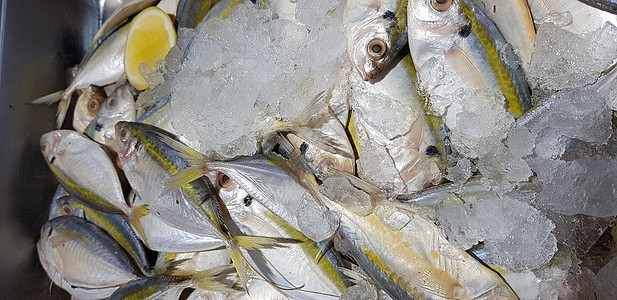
{"type": "Point", "coordinates": [494, 8]}
{"type": "Point", "coordinates": [158, 213]}
{"type": "Point", "coordinates": [98, 127]}
{"type": "Point", "coordinates": [432, 151]}
{"type": "Point", "coordinates": [53, 158]}
{"type": "Point", "coordinates": [280, 151]}
{"type": "Point", "coordinates": [137, 144]}
{"type": "Point", "coordinates": [177, 202]}
{"type": "Point", "coordinates": [319, 181]}
{"type": "Point", "coordinates": [465, 31]}
{"type": "Point", "coordinates": [303, 148]}
{"type": "Point", "coordinates": [248, 200]}
{"type": "Point", "coordinates": [389, 15]}
{"type": "Point", "coordinates": [188, 291]}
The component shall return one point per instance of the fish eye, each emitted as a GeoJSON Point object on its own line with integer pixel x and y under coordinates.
{"type": "Point", "coordinates": [123, 135]}
{"type": "Point", "coordinates": [68, 210]}
{"type": "Point", "coordinates": [43, 147]}
{"type": "Point", "coordinates": [93, 106]}
{"type": "Point", "coordinates": [224, 180]}
{"type": "Point", "coordinates": [111, 103]}
{"type": "Point", "coordinates": [441, 5]}
{"type": "Point", "coordinates": [376, 48]}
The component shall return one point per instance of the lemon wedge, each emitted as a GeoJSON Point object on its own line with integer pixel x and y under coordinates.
{"type": "Point", "coordinates": [151, 35]}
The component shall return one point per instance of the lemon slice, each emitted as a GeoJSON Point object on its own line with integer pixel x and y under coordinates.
{"type": "Point", "coordinates": [151, 35]}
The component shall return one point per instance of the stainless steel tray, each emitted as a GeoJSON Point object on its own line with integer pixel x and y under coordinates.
{"type": "Point", "coordinates": [40, 39]}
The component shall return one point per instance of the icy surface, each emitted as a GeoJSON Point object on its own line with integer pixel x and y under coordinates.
{"type": "Point", "coordinates": [516, 236]}
{"type": "Point", "coordinates": [240, 73]}
{"type": "Point", "coordinates": [578, 59]}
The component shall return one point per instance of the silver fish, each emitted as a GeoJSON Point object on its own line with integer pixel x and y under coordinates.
{"type": "Point", "coordinates": [412, 259]}
{"type": "Point", "coordinates": [101, 66]}
{"type": "Point", "coordinates": [83, 259]}
{"type": "Point", "coordinates": [114, 224]}
{"type": "Point", "coordinates": [457, 37]}
{"type": "Point", "coordinates": [85, 170]}
{"type": "Point", "coordinates": [310, 275]}
{"type": "Point", "coordinates": [414, 142]}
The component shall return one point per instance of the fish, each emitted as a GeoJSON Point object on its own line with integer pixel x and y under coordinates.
{"type": "Point", "coordinates": [55, 209]}
{"type": "Point", "coordinates": [87, 107]}
{"type": "Point", "coordinates": [119, 15]}
{"type": "Point", "coordinates": [148, 162]}
{"type": "Point", "coordinates": [573, 15]}
{"type": "Point", "coordinates": [101, 66]}
{"type": "Point", "coordinates": [456, 36]}
{"type": "Point", "coordinates": [376, 32]}
{"type": "Point", "coordinates": [315, 268]}
{"type": "Point", "coordinates": [114, 224]}
{"type": "Point", "coordinates": [191, 12]}
{"type": "Point", "coordinates": [162, 237]}
{"type": "Point", "coordinates": [86, 172]}
{"type": "Point", "coordinates": [83, 259]}
{"type": "Point", "coordinates": [513, 18]}
{"type": "Point", "coordinates": [413, 259]}
{"type": "Point", "coordinates": [166, 287]}
{"type": "Point", "coordinates": [415, 141]}
{"type": "Point", "coordinates": [119, 106]}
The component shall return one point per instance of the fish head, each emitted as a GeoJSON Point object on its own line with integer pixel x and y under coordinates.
{"type": "Point", "coordinates": [372, 47]}
{"type": "Point", "coordinates": [54, 144]}
{"type": "Point", "coordinates": [126, 144]}
{"type": "Point", "coordinates": [439, 17]}
{"type": "Point", "coordinates": [119, 106]}
{"type": "Point", "coordinates": [48, 254]}
{"type": "Point", "coordinates": [87, 107]}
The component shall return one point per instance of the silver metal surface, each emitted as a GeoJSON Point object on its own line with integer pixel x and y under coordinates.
{"type": "Point", "coordinates": [40, 39]}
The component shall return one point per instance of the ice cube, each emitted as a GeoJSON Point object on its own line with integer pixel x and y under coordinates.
{"type": "Point", "coordinates": [341, 191]}
{"type": "Point", "coordinates": [317, 222]}
{"type": "Point", "coordinates": [461, 171]}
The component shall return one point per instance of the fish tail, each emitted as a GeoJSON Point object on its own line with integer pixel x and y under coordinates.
{"type": "Point", "coordinates": [134, 219]}
{"type": "Point", "coordinates": [63, 108]}
{"type": "Point", "coordinates": [240, 262]}
{"type": "Point", "coordinates": [214, 280]}
{"type": "Point", "coordinates": [49, 99]}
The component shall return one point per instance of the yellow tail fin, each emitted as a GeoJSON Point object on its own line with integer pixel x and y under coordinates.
{"type": "Point", "coordinates": [134, 219]}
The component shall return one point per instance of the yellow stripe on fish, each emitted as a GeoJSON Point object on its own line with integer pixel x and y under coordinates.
{"type": "Point", "coordinates": [501, 74]}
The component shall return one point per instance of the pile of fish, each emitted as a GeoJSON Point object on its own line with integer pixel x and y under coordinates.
{"type": "Point", "coordinates": [358, 149]}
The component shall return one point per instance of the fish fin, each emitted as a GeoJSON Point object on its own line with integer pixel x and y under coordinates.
{"type": "Point", "coordinates": [297, 168]}
{"type": "Point", "coordinates": [242, 265]}
{"type": "Point", "coordinates": [466, 69]}
{"type": "Point", "coordinates": [58, 240]}
{"type": "Point", "coordinates": [49, 99]}
{"type": "Point", "coordinates": [181, 178]}
{"type": "Point", "coordinates": [214, 279]}
{"type": "Point", "coordinates": [197, 163]}
{"type": "Point", "coordinates": [134, 219]}
{"type": "Point", "coordinates": [308, 122]}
